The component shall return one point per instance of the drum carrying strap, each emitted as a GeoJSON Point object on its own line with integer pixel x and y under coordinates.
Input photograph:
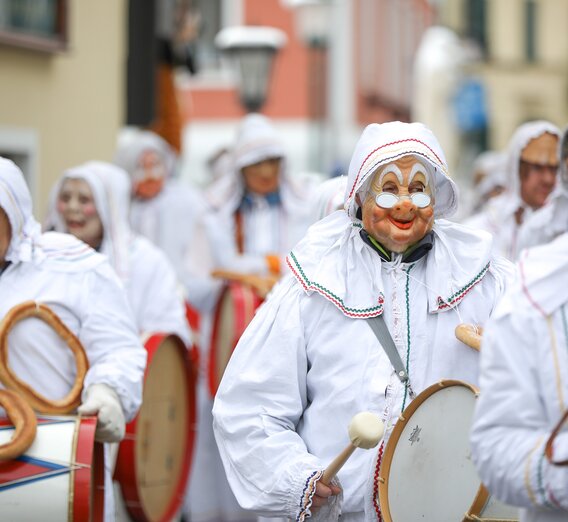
{"type": "Point", "coordinates": [381, 331]}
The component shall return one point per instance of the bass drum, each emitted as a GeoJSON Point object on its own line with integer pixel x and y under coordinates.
{"type": "Point", "coordinates": [426, 471]}
{"type": "Point", "coordinates": [59, 477]}
{"type": "Point", "coordinates": [234, 311]}
{"type": "Point", "coordinates": [153, 461]}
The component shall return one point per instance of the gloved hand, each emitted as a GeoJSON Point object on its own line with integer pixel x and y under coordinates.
{"type": "Point", "coordinates": [102, 400]}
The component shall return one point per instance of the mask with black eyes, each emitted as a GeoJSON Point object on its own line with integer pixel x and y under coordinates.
{"type": "Point", "coordinates": [398, 204]}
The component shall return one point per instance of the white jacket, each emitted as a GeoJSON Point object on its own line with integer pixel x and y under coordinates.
{"type": "Point", "coordinates": [524, 388]}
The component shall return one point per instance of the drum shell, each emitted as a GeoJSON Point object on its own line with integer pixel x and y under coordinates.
{"type": "Point", "coordinates": [149, 491]}
{"type": "Point", "coordinates": [234, 311]}
{"type": "Point", "coordinates": [61, 475]}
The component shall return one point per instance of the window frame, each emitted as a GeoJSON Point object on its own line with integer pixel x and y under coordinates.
{"type": "Point", "coordinates": [48, 44]}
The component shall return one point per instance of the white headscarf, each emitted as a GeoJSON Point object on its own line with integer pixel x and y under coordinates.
{"type": "Point", "coordinates": [330, 196]}
{"type": "Point", "coordinates": [111, 192]}
{"type": "Point", "coordinates": [16, 201]}
{"type": "Point", "coordinates": [60, 252]}
{"type": "Point", "coordinates": [520, 139]}
{"type": "Point", "coordinates": [257, 140]}
{"type": "Point", "coordinates": [133, 146]}
{"type": "Point", "coordinates": [386, 142]}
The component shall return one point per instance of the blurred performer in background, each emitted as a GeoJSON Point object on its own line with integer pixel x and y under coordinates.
{"type": "Point", "coordinates": [163, 208]}
{"type": "Point", "coordinates": [80, 286]}
{"type": "Point", "coordinates": [309, 360]}
{"type": "Point", "coordinates": [551, 220]}
{"type": "Point", "coordinates": [532, 165]}
{"type": "Point", "coordinates": [258, 211]}
{"type": "Point", "coordinates": [91, 201]}
{"type": "Point", "coordinates": [489, 178]}
{"type": "Point", "coordinates": [524, 389]}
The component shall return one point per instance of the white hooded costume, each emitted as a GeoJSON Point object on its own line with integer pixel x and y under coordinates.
{"type": "Point", "coordinates": [270, 225]}
{"type": "Point", "coordinates": [498, 216]}
{"type": "Point", "coordinates": [168, 219]}
{"type": "Point", "coordinates": [148, 276]}
{"type": "Point", "coordinates": [550, 221]}
{"type": "Point", "coordinates": [308, 361]}
{"type": "Point", "coordinates": [524, 388]}
{"type": "Point", "coordinates": [80, 286]}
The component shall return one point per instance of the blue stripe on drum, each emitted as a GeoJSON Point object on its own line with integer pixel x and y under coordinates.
{"type": "Point", "coordinates": [41, 422]}
{"type": "Point", "coordinates": [51, 469]}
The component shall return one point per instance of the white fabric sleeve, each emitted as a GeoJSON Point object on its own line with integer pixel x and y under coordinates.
{"type": "Point", "coordinates": [163, 309]}
{"type": "Point", "coordinates": [108, 332]}
{"type": "Point", "coordinates": [511, 425]}
{"type": "Point", "coordinates": [259, 403]}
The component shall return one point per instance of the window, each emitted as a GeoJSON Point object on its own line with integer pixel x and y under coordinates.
{"type": "Point", "coordinates": [530, 30]}
{"type": "Point", "coordinates": [476, 19]}
{"type": "Point", "coordinates": [34, 24]}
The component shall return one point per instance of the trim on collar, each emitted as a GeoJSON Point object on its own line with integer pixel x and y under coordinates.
{"type": "Point", "coordinates": [308, 286]}
{"type": "Point", "coordinates": [460, 294]}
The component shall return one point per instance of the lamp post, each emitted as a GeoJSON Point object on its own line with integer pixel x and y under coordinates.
{"type": "Point", "coordinates": [312, 20]}
{"type": "Point", "coordinates": [252, 50]}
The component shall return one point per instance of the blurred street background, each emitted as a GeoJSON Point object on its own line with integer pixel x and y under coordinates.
{"type": "Point", "coordinates": [76, 75]}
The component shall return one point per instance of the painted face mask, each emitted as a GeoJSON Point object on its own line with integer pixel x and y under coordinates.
{"type": "Point", "coordinates": [76, 205]}
{"type": "Point", "coordinates": [398, 209]}
{"type": "Point", "coordinates": [149, 178]}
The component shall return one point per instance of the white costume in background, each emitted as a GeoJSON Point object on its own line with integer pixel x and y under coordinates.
{"type": "Point", "coordinates": [330, 196]}
{"type": "Point", "coordinates": [81, 287]}
{"type": "Point", "coordinates": [551, 220]}
{"type": "Point", "coordinates": [492, 165]}
{"type": "Point", "coordinates": [498, 216]}
{"type": "Point", "coordinates": [168, 219]}
{"type": "Point", "coordinates": [308, 361]}
{"type": "Point", "coordinates": [148, 276]}
{"type": "Point", "coordinates": [270, 226]}
{"type": "Point", "coordinates": [524, 388]}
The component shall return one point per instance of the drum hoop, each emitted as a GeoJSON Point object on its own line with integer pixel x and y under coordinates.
{"type": "Point", "coordinates": [384, 471]}
{"type": "Point", "coordinates": [239, 323]}
{"type": "Point", "coordinates": [126, 458]}
{"type": "Point", "coordinates": [38, 402]}
{"type": "Point", "coordinates": [90, 460]}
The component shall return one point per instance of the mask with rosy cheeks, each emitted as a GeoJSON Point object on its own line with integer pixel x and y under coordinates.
{"type": "Point", "coordinates": [398, 209]}
{"type": "Point", "coordinates": [149, 177]}
{"type": "Point", "coordinates": [76, 205]}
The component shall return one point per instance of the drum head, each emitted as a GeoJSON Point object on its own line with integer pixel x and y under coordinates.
{"type": "Point", "coordinates": [154, 458]}
{"type": "Point", "coordinates": [163, 427]}
{"type": "Point", "coordinates": [235, 309]}
{"type": "Point", "coordinates": [427, 472]}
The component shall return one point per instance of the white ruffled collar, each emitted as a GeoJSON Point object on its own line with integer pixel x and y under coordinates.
{"type": "Point", "coordinates": [335, 262]}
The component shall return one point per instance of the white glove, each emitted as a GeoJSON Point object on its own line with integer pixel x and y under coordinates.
{"type": "Point", "coordinates": [102, 400]}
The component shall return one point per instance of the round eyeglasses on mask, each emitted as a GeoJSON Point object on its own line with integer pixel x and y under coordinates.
{"type": "Point", "coordinates": [389, 200]}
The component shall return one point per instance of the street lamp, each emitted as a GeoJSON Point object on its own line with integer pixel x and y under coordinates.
{"type": "Point", "coordinates": [313, 21]}
{"type": "Point", "coordinates": [251, 49]}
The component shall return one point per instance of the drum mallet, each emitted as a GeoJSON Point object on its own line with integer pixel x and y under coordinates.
{"type": "Point", "coordinates": [365, 431]}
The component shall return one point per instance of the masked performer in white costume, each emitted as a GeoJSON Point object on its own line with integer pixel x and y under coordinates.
{"type": "Point", "coordinates": [258, 211]}
{"type": "Point", "coordinates": [308, 361]}
{"type": "Point", "coordinates": [80, 286]}
{"type": "Point", "coordinates": [524, 389]}
{"type": "Point", "coordinates": [91, 201]}
{"type": "Point", "coordinates": [550, 221]}
{"type": "Point", "coordinates": [532, 165]}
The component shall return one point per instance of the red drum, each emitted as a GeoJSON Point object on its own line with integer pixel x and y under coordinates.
{"type": "Point", "coordinates": [154, 458]}
{"type": "Point", "coordinates": [234, 311]}
{"type": "Point", "coordinates": [59, 477]}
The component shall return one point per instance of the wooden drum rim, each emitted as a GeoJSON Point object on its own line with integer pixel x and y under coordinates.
{"type": "Point", "coordinates": [24, 420]}
{"type": "Point", "coordinates": [384, 471]}
{"type": "Point", "coordinates": [37, 401]}
{"type": "Point", "coordinates": [126, 459]}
